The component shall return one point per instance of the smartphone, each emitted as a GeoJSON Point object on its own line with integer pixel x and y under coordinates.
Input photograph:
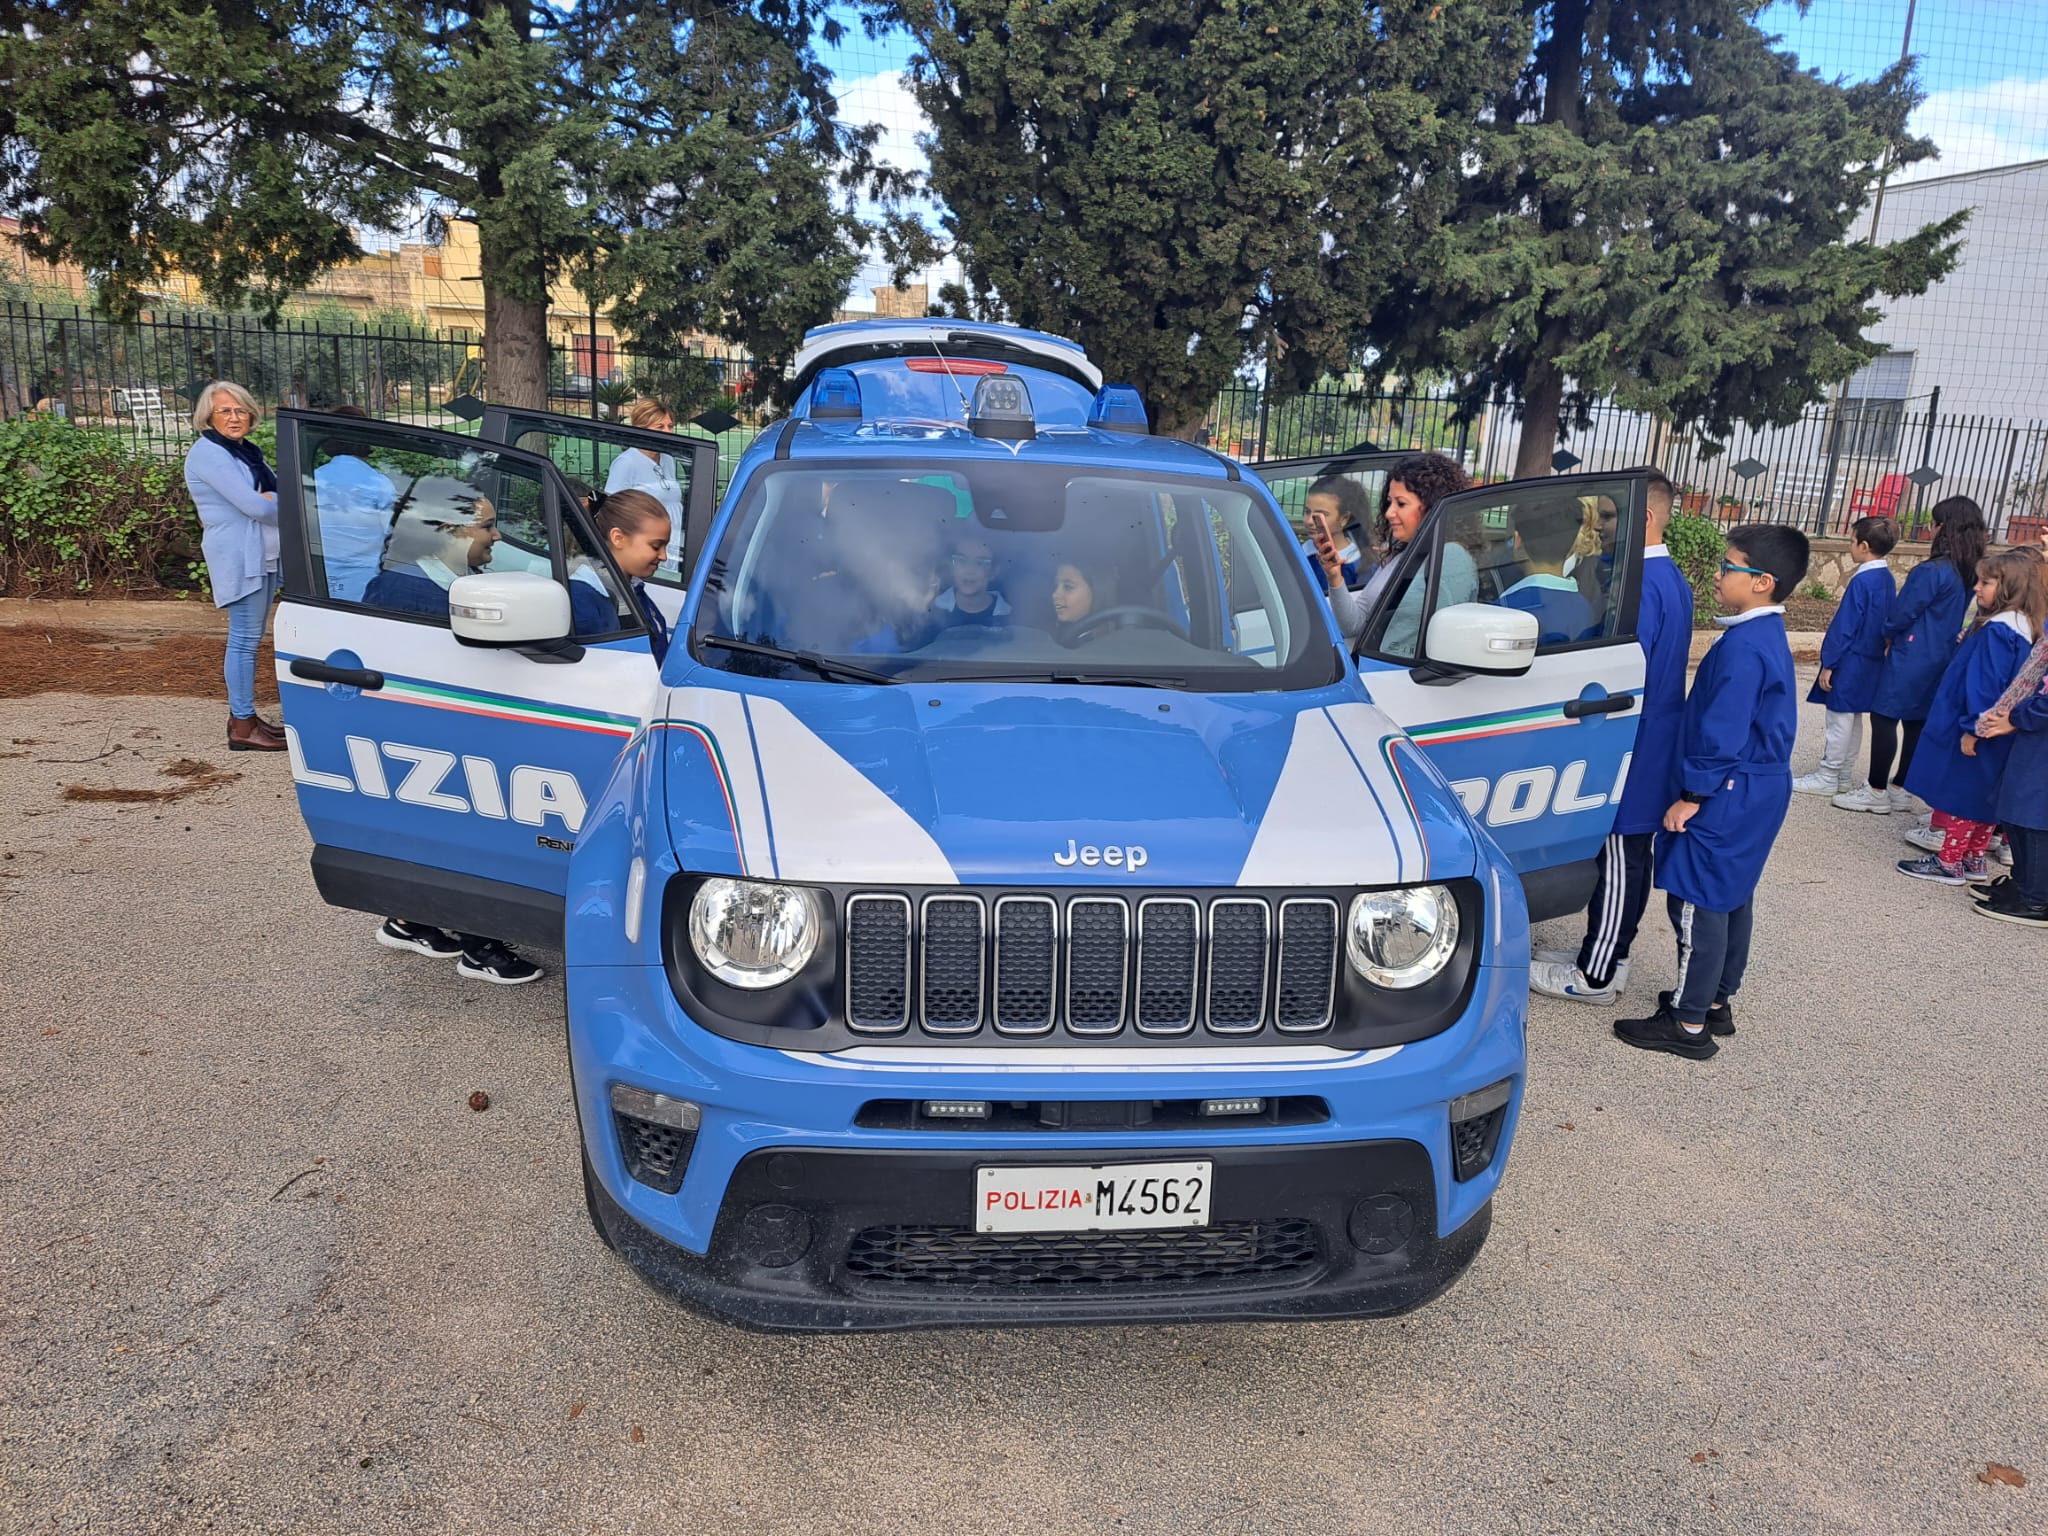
{"type": "Point", "coordinates": [1319, 533]}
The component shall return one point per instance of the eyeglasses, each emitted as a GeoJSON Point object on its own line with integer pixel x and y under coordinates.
{"type": "Point", "coordinates": [230, 410]}
{"type": "Point", "coordinates": [1730, 568]}
{"type": "Point", "coordinates": [979, 562]}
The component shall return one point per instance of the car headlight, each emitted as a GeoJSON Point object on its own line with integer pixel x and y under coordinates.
{"type": "Point", "coordinates": [754, 935]}
{"type": "Point", "coordinates": [1402, 938]}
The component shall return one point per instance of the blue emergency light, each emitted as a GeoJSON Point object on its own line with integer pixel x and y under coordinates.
{"type": "Point", "coordinates": [1002, 409]}
{"type": "Point", "coordinates": [1119, 408]}
{"type": "Point", "coordinates": [836, 396]}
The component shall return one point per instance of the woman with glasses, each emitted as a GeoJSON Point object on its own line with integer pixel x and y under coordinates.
{"type": "Point", "coordinates": [235, 490]}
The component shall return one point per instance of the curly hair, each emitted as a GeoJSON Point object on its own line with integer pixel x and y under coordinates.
{"type": "Point", "coordinates": [1430, 477]}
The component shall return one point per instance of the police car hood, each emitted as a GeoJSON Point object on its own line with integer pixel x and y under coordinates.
{"type": "Point", "coordinates": [979, 784]}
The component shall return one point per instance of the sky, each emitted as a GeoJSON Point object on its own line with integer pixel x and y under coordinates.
{"type": "Point", "coordinates": [1983, 65]}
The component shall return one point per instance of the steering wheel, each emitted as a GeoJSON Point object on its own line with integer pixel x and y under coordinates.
{"type": "Point", "coordinates": [1149, 618]}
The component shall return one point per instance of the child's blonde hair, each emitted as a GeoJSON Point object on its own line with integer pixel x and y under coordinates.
{"type": "Point", "coordinates": [2022, 578]}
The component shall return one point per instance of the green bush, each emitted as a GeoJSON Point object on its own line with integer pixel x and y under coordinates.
{"type": "Point", "coordinates": [1697, 545]}
{"type": "Point", "coordinates": [81, 512]}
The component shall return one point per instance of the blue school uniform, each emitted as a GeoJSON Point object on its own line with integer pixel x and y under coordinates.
{"type": "Point", "coordinates": [2023, 787]}
{"type": "Point", "coordinates": [658, 635]}
{"type": "Point", "coordinates": [1985, 665]}
{"type": "Point", "coordinates": [1736, 749]}
{"type": "Point", "coordinates": [1925, 628]}
{"type": "Point", "coordinates": [1561, 612]}
{"type": "Point", "coordinates": [1664, 630]}
{"type": "Point", "coordinates": [1854, 645]}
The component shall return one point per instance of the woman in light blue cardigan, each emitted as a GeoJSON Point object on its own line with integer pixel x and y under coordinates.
{"type": "Point", "coordinates": [235, 490]}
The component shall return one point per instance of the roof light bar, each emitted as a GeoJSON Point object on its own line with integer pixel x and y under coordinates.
{"type": "Point", "coordinates": [836, 396]}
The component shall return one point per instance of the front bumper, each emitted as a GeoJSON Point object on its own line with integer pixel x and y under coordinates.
{"type": "Point", "coordinates": [812, 1239]}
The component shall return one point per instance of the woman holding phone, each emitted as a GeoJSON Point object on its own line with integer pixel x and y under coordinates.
{"type": "Point", "coordinates": [1412, 492]}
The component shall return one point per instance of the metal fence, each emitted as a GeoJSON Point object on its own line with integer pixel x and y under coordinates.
{"type": "Point", "coordinates": [1838, 461]}
{"type": "Point", "coordinates": [139, 377]}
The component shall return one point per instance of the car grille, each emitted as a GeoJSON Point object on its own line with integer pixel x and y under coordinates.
{"type": "Point", "coordinates": [1228, 1256]}
{"type": "Point", "coordinates": [1089, 966]}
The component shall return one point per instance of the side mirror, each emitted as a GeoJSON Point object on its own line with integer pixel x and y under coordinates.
{"type": "Point", "coordinates": [1479, 637]}
{"type": "Point", "coordinates": [504, 608]}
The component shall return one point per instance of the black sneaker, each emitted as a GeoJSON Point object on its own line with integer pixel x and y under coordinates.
{"type": "Point", "coordinates": [1720, 1017]}
{"type": "Point", "coordinates": [420, 938]}
{"type": "Point", "coordinates": [1661, 1031]}
{"type": "Point", "coordinates": [1992, 886]}
{"type": "Point", "coordinates": [2026, 914]}
{"type": "Point", "coordinates": [488, 960]}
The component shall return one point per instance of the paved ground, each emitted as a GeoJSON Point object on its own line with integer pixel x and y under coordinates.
{"type": "Point", "coordinates": [261, 1269]}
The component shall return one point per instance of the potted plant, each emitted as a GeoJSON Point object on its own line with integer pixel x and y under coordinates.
{"type": "Point", "coordinates": [1691, 501]}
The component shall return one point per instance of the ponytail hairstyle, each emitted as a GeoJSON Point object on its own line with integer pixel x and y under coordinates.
{"type": "Point", "coordinates": [1960, 536]}
{"type": "Point", "coordinates": [627, 511]}
{"type": "Point", "coordinates": [2022, 579]}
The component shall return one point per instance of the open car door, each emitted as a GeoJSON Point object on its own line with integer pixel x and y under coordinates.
{"type": "Point", "coordinates": [444, 781]}
{"type": "Point", "coordinates": [679, 472]}
{"type": "Point", "coordinates": [1539, 757]}
{"type": "Point", "coordinates": [1351, 484]}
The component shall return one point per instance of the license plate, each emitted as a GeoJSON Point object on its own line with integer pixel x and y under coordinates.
{"type": "Point", "coordinates": [1113, 1198]}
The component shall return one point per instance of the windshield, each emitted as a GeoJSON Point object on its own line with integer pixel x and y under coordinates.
{"type": "Point", "coordinates": [1011, 571]}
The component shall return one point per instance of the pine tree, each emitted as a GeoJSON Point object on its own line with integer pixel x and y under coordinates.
{"type": "Point", "coordinates": [681, 157]}
{"type": "Point", "coordinates": [1663, 211]}
{"type": "Point", "coordinates": [1186, 185]}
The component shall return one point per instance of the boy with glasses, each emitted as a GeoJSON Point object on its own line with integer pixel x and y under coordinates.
{"type": "Point", "coordinates": [970, 599]}
{"type": "Point", "coordinates": [1732, 786]}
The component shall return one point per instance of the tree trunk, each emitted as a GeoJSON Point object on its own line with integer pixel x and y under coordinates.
{"type": "Point", "coordinates": [515, 348]}
{"type": "Point", "coordinates": [1542, 398]}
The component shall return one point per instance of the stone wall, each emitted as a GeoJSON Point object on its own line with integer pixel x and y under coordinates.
{"type": "Point", "coordinates": [1833, 565]}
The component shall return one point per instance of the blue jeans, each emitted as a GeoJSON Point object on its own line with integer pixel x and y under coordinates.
{"type": "Point", "coordinates": [246, 617]}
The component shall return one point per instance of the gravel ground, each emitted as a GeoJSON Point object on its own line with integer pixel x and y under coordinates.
{"type": "Point", "coordinates": [262, 1269]}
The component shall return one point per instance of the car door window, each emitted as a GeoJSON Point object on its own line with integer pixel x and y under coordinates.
{"type": "Point", "coordinates": [604, 457]}
{"type": "Point", "coordinates": [392, 519]}
{"type": "Point", "coordinates": [1561, 549]}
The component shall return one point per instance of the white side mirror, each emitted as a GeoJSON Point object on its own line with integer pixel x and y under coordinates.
{"type": "Point", "coordinates": [508, 608]}
{"type": "Point", "coordinates": [1479, 637]}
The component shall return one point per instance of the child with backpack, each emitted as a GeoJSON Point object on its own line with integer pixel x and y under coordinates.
{"type": "Point", "coordinates": [1852, 658]}
{"type": "Point", "coordinates": [1955, 770]}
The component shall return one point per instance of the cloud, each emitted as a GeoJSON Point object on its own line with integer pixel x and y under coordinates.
{"type": "Point", "coordinates": [2001, 122]}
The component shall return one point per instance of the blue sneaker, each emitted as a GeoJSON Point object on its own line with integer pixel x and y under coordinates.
{"type": "Point", "coordinates": [1931, 868]}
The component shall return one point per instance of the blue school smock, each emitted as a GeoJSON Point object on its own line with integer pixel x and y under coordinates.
{"type": "Point", "coordinates": [1854, 644]}
{"type": "Point", "coordinates": [1990, 657]}
{"type": "Point", "coordinates": [1664, 631]}
{"type": "Point", "coordinates": [1926, 627]}
{"type": "Point", "coordinates": [1736, 749]}
{"type": "Point", "coordinates": [2023, 787]}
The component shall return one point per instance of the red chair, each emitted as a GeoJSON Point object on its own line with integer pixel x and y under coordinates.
{"type": "Point", "coordinates": [1882, 502]}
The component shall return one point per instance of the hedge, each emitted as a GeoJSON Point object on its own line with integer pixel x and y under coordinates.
{"type": "Point", "coordinates": [83, 513]}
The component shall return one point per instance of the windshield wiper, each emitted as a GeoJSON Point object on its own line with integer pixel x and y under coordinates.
{"type": "Point", "coordinates": [811, 661]}
{"type": "Point", "coordinates": [1079, 679]}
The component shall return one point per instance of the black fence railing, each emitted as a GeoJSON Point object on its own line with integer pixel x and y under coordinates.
{"type": "Point", "coordinates": [1837, 462]}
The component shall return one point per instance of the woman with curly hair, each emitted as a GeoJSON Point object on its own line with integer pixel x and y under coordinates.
{"type": "Point", "coordinates": [1412, 492]}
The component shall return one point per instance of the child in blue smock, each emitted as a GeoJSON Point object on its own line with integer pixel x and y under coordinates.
{"type": "Point", "coordinates": [1955, 771]}
{"type": "Point", "coordinates": [1598, 970]}
{"type": "Point", "coordinates": [2022, 803]}
{"type": "Point", "coordinates": [1732, 786]}
{"type": "Point", "coordinates": [1852, 657]}
{"type": "Point", "coordinates": [1926, 627]}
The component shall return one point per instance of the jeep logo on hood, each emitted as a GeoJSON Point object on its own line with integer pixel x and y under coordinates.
{"type": "Point", "coordinates": [1130, 856]}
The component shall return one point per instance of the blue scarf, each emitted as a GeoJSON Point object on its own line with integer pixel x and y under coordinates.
{"type": "Point", "coordinates": [251, 457]}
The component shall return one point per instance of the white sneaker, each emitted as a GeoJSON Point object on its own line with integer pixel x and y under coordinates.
{"type": "Point", "coordinates": [1927, 838]}
{"type": "Point", "coordinates": [1902, 800]}
{"type": "Point", "coordinates": [1569, 982]}
{"type": "Point", "coordinates": [1822, 781]}
{"type": "Point", "coordinates": [2001, 850]}
{"type": "Point", "coordinates": [1878, 802]}
{"type": "Point", "coordinates": [1569, 959]}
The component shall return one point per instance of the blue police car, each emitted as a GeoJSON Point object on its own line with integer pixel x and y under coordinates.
{"type": "Point", "coordinates": [1010, 901]}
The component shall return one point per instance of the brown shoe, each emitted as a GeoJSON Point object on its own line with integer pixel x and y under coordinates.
{"type": "Point", "coordinates": [249, 734]}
